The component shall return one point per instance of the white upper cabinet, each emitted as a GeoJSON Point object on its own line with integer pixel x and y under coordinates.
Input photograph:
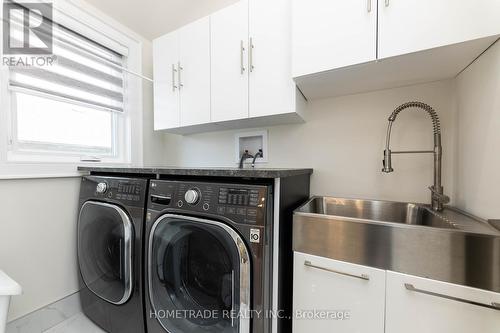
{"type": "Point", "coordinates": [339, 48]}
{"type": "Point", "coordinates": [329, 34]}
{"type": "Point", "coordinates": [416, 305]}
{"type": "Point", "coordinates": [231, 70]}
{"type": "Point", "coordinates": [182, 76]}
{"type": "Point", "coordinates": [413, 25]}
{"type": "Point", "coordinates": [355, 292]}
{"type": "Point", "coordinates": [272, 89]}
{"type": "Point", "coordinates": [229, 59]}
{"type": "Point", "coordinates": [166, 89]}
{"type": "Point", "coordinates": [194, 72]}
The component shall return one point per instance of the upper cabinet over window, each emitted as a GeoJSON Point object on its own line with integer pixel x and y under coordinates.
{"type": "Point", "coordinates": [182, 76]}
{"type": "Point", "coordinates": [229, 70]}
{"type": "Point", "coordinates": [343, 47]}
{"type": "Point", "coordinates": [193, 72]}
{"type": "Point", "coordinates": [166, 90]}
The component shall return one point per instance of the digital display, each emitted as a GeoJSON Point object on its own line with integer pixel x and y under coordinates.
{"type": "Point", "coordinates": [129, 189]}
{"type": "Point", "coordinates": [239, 197]}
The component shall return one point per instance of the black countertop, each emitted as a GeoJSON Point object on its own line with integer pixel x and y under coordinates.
{"type": "Point", "coordinates": [206, 172]}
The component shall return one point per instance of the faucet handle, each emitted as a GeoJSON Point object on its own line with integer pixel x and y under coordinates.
{"type": "Point", "coordinates": [387, 162]}
{"type": "Point", "coordinates": [443, 198]}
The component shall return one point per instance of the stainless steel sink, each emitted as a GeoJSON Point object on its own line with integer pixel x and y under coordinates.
{"type": "Point", "coordinates": [449, 245]}
{"type": "Point", "coordinates": [396, 212]}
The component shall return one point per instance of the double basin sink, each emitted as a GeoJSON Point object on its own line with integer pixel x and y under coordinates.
{"type": "Point", "coordinates": [449, 246]}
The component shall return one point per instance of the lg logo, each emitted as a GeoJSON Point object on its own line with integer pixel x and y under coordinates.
{"type": "Point", "coordinates": [254, 236]}
{"type": "Point", "coordinates": [27, 28]}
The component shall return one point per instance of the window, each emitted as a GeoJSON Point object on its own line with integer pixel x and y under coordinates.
{"type": "Point", "coordinates": [50, 125]}
{"type": "Point", "coordinates": [73, 110]}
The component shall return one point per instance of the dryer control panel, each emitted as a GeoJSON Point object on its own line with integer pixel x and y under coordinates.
{"type": "Point", "coordinates": [246, 204]}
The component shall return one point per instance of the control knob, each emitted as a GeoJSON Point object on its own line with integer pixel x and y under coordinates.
{"type": "Point", "coordinates": [192, 196]}
{"type": "Point", "coordinates": [101, 188]}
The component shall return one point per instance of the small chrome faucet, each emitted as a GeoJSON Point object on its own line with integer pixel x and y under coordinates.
{"type": "Point", "coordinates": [438, 199]}
{"type": "Point", "coordinates": [244, 156]}
{"type": "Point", "coordinates": [258, 154]}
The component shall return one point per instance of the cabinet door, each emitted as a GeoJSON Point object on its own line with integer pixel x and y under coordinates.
{"type": "Point", "coordinates": [166, 87]}
{"type": "Point", "coordinates": [194, 72]}
{"type": "Point", "coordinates": [329, 34]}
{"type": "Point", "coordinates": [229, 58]}
{"type": "Point", "coordinates": [325, 285]}
{"type": "Point", "coordinates": [272, 89]}
{"type": "Point", "coordinates": [448, 309]}
{"type": "Point", "coordinates": [412, 25]}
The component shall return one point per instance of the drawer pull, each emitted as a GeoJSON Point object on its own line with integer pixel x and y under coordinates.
{"type": "Point", "coordinates": [410, 287]}
{"type": "Point", "coordinates": [362, 276]}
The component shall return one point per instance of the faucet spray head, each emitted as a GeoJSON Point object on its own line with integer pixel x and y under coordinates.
{"type": "Point", "coordinates": [387, 162]}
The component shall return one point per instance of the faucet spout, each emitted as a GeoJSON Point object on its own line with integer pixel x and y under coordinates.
{"type": "Point", "coordinates": [257, 155]}
{"type": "Point", "coordinates": [244, 156]}
{"type": "Point", "coordinates": [438, 199]}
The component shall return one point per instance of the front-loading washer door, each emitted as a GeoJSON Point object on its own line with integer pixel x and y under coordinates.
{"type": "Point", "coordinates": [105, 237]}
{"type": "Point", "coordinates": [198, 276]}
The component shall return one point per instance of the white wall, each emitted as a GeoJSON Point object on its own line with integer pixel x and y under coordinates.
{"type": "Point", "coordinates": [343, 140]}
{"type": "Point", "coordinates": [478, 158]}
{"type": "Point", "coordinates": [38, 239]}
{"type": "Point", "coordinates": [152, 141]}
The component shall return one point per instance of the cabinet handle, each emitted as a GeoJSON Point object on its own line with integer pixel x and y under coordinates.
{"type": "Point", "coordinates": [242, 65]}
{"type": "Point", "coordinates": [410, 287]}
{"type": "Point", "coordinates": [250, 54]}
{"type": "Point", "coordinates": [369, 8]}
{"type": "Point", "coordinates": [362, 276]}
{"type": "Point", "coordinates": [387, 3]}
{"type": "Point", "coordinates": [179, 69]}
{"type": "Point", "coordinates": [173, 78]}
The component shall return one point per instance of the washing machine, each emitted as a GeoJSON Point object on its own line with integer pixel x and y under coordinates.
{"type": "Point", "coordinates": [110, 231]}
{"type": "Point", "coordinates": [209, 260]}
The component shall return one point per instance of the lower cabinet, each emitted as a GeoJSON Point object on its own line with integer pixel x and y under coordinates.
{"type": "Point", "coordinates": [334, 296]}
{"type": "Point", "coordinates": [416, 305]}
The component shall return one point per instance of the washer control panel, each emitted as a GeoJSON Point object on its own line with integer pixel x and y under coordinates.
{"type": "Point", "coordinates": [245, 204]}
{"type": "Point", "coordinates": [130, 191]}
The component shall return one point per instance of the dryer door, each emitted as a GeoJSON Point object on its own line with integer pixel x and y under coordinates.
{"type": "Point", "coordinates": [199, 276]}
{"type": "Point", "coordinates": [105, 237]}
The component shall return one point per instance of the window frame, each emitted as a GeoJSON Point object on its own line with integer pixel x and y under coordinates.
{"type": "Point", "coordinates": [19, 150]}
{"type": "Point", "coordinates": [19, 161]}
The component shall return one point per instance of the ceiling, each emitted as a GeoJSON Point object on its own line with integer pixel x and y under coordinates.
{"type": "Point", "coordinates": [153, 18]}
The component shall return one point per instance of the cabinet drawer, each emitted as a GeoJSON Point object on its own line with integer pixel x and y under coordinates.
{"type": "Point", "coordinates": [345, 297]}
{"type": "Point", "coordinates": [416, 305]}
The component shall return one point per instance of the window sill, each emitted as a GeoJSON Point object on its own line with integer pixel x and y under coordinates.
{"type": "Point", "coordinates": [9, 171]}
{"type": "Point", "coordinates": [41, 176]}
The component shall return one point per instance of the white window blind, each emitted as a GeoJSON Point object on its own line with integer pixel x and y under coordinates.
{"type": "Point", "coordinates": [84, 72]}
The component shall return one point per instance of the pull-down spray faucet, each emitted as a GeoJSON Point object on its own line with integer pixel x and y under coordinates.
{"type": "Point", "coordinates": [438, 199]}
